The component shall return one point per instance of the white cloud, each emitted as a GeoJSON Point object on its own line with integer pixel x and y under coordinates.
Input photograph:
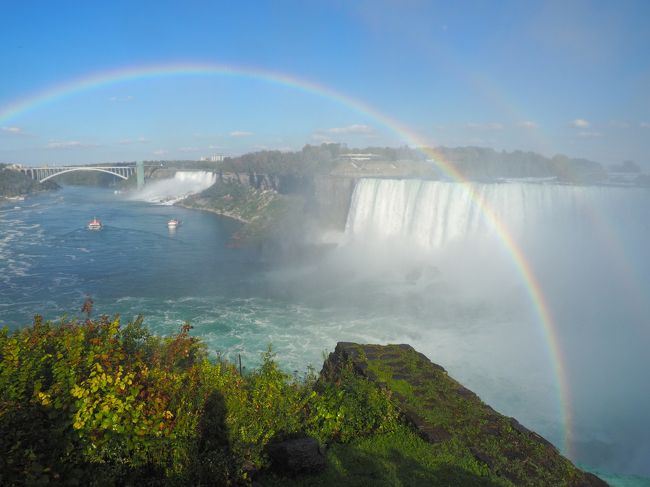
{"type": "Point", "coordinates": [356, 129]}
{"type": "Point", "coordinates": [159, 152]}
{"type": "Point", "coordinates": [188, 149]}
{"type": "Point", "coordinates": [69, 144]}
{"type": "Point", "coordinates": [645, 125]}
{"type": "Point", "coordinates": [139, 140]}
{"type": "Point", "coordinates": [585, 134]}
{"type": "Point", "coordinates": [580, 123]}
{"type": "Point", "coordinates": [215, 147]}
{"type": "Point", "coordinates": [528, 124]}
{"type": "Point", "coordinates": [12, 130]}
{"type": "Point", "coordinates": [484, 126]}
{"type": "Point", "coordinates": [240, 133]}
{"type": "Point", "coordinates": [119, 99]}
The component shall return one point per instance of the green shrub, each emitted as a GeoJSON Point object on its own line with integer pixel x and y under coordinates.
{"type": "Point", "coordinates": [349, 408]}
{"type": "Point", "coordinates": [96, 403]}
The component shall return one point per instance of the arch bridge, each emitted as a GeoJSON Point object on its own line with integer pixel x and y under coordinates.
{"type": "Point", "coordinates": [124, 171]}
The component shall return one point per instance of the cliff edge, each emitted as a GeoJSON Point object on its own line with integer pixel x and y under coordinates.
{"type": "Point", "coordinates": [454, 420]}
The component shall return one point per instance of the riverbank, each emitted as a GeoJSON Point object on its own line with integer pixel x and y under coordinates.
{"type": "Point", "coordinates": [265, 214]}
{"type": "Point", "coordinates": [222, 213]}
{"type": "Point", "coordinates": [15, 184]}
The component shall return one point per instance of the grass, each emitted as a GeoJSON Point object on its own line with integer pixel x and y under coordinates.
{"type": "Point", "coordinates": [467, 436]}
{"type": "Point", "coordinates": [400, 458]}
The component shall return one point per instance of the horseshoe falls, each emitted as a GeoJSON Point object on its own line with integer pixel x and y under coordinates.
{"type": "Point", "coordinates": [587, 251]}
{"type": "Point", "coordinates": [434, 214]}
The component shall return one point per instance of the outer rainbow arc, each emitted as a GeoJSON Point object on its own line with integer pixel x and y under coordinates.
{"type": "Point", "coordinates": [189, 69]}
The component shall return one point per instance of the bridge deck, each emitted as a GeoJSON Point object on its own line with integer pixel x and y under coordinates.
{"type": "Point", "coordinates": [44, 173]}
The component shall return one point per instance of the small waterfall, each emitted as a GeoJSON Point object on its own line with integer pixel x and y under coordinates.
{"type": "Point", "coordinates": [182, 185]}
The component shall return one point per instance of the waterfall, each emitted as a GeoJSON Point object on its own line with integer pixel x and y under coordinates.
{"type": "Point", "coordinates": [433, 214]}
{"type": "Point", "coordinates": [587, 248]}
{"type": "Point", "coordinates": [182, 185]}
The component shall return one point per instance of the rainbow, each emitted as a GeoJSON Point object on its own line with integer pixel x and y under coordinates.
{"type": "Point", "coordinates": [123, 74]}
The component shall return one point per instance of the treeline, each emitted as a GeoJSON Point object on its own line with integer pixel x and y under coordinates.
{"type": "Point", "coordinates": [474, 163]}
{"type": "Point", "coordinates": [15, 183]}
{"type": "Point", "coordinates": [486, 164]}
{"type": "Point", "coordinates": [309, 161]}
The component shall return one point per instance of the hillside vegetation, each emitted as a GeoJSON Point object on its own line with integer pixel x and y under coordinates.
{"type": "Point", "coordinates": [267, 215]}
{"type": "Point", "coordinates": [93, 402]}
{"type": "Point", "coordinates": [15, 183]}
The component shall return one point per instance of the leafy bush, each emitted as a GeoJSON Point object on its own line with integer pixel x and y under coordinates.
{"type": "Point", "coordinates": [95, 403]}
{"type": "Point", "coordinates": [349, 408]}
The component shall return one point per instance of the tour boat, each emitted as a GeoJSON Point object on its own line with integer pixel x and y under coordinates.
{"type": "Point", "coordinates": [172, 224]}
{"type": "Point", "coordinates": [95, 224]}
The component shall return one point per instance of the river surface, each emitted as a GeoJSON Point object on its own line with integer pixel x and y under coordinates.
{"type": "Point", "coordinates": [475, 316]}
{"type": "Point", "coordinates": [234, 299]}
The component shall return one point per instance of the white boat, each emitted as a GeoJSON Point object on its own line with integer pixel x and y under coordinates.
{"type": "Point", "coordinates": [173, 224]}
{"type": "Point", "coordinates": [95, 224]}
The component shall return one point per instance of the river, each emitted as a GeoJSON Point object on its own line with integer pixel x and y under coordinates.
{"type": "Point", "coordinates": [465, 307]}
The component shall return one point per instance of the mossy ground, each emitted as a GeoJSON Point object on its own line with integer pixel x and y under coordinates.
{"type": "Point", "coordinates": [463, 433]}
{"type": "Point", "coordinates": [400, 458]}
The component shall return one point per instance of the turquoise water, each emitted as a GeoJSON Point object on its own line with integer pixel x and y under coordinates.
{"type": "Point", "coordinates": [465, 310]}
{"type": "Point", "coordinates": [235, 299]}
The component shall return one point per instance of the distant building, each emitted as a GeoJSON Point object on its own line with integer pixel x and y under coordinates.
{"type": "Point", "coordinates": [358, 157]}
{"type": "Point", "coordinates": [213, 158]}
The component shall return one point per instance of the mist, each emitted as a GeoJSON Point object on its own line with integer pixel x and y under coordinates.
{"type": "Point", "coordinates": [171, 190]}
{"type": "Point", "coordinates": [423, 257]}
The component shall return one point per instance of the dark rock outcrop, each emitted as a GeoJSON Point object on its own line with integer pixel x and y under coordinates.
{"type": "Point", "coordinates": [297, 456]}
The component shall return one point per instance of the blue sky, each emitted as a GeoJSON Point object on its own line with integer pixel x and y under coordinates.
{"type": "Point", "coordinates": [553, 77]}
